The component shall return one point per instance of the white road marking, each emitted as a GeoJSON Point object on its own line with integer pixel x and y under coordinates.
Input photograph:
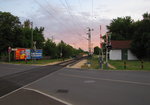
{"type": "Point", "coordinates": [50, 96]}
{"type": "Point", "coordinates": [112, 80]}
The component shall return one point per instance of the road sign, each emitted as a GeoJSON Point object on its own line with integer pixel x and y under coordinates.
{"type": "Point", "coordinates": [14, 49]}
{"type": "Point", "coordinates": [9, 49]}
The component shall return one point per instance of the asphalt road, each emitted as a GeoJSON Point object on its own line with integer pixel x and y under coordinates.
{"type": "Point", "coordinates": [75, 87]}
{"type": "Point", "coordinates": [15, 77]}
{"type": "Point", "coordinates": [7, 69]}
{"type": "Point", "coordinates": [92, 87]}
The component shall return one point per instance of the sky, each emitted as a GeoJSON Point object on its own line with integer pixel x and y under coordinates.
{"type": "Point", "coordinates": [68, 20]}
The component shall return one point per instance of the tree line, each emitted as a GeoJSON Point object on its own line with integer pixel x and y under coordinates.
{"type": "Point", "coordinates": [15, 34]}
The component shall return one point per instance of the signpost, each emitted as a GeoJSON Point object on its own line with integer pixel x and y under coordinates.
{"type": "Point", "coordinates": [9, 51]}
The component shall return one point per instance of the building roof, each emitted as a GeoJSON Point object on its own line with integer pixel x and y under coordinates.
{"type": "Point", "coordinates": [121, 44]}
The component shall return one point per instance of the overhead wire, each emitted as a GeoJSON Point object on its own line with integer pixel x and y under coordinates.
{"type": "Point", "coordinates": [92, 15]}
{"type": "Point", "coordinates": [51, 14]}
{"type": "Point", "coordinates": [69, 11]}
{"type": "Point", "coordinates": [68, 8]}
{"type": "Point", "coordinates": [65, 7]}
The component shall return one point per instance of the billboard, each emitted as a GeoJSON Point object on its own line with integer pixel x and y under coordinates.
{"type": "Point", "coordinates": [20, 54]}
{"type": "Point", "coordinates": [28, 53]}
{"type": "Point", "coordinates": [36, 54]}
{"type": "Point", "coordinates": [23, 53]}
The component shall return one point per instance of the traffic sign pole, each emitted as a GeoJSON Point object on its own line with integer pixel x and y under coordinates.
{"type": "Point", "coordinates": [9, 50]}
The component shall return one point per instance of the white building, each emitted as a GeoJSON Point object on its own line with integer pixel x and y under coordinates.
{"type": "Point", "coordinates": [120, 51]}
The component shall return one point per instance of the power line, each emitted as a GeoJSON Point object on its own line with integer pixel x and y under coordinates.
{"type": "Point", "coordinates": [92, 14]}
{"type": "Point", "coordinates": [68, 8]}
{"type": "Point", "coordinates": [50, 6]}
{"type": "Point", "coordinates": [57, 19]}
{"type": "Point", "coordinates": [52, 14]}
{"type": "Point", "coordinates": [48, 12]}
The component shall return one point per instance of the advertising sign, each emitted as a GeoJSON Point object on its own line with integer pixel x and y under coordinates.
{"type": "Point", "coordinates": [20, 54]}
{"type": "Point", "coordinates": [36, 54]}
{"type": "Point", "coordinates": [27, 52]}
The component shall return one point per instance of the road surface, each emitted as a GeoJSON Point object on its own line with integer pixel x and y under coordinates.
{"type": "Point", "coordinates": [69, 86]}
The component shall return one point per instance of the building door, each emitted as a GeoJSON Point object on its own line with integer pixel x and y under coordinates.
{"type": "Point", "coordinates": [124, 54]}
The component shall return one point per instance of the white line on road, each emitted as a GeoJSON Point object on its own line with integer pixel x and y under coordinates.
{"type": "Point", "coordinates": [50, 96]}
{"type": "Point", "coordinates": [112, 80]}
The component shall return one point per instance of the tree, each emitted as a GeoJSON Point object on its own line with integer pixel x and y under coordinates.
{"type": "Point", "coordinates": [146, 16]}
{"type": "Point", "coordinates": [141, 41]}
{"type": "Point", "coordinates": [38, 36]}
{"type": "Point", "coordinates": [50, 49]}
{"type": "Point", "coordinates": [27, 24]}
{"type": "Point", "coordinates": [10, 31]}
{"type": "Point", "coordinates": [121, 28]}
{"type": "Point", "coordinates": [140, 46]}
{"type": "Point", "coordinates": [65, 50]}
{"type": "Point", "coordinates": [96, 50]}
{"type": "Point", "coordinates": [13, 34]}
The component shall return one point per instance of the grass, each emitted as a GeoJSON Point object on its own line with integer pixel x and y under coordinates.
{"type": "Point", "coordinates": [119, 65]}
{"type": "Point", "coordinates": [42, 62]}
{"type": "Point", "coordinates": [131, 65]}
{"type": "Point", "coordinates": [93, 63]}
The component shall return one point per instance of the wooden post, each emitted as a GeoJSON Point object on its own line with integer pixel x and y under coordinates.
{"type": "Point", "coordinates": [142, 66]}
{"type": "Point", "coordinates": [125, 65]}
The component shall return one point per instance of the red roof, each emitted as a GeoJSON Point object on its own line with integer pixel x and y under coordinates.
{"type": "Point", "coordinates": [120, 44]}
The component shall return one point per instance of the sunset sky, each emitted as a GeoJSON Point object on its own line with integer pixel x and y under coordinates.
{"type": "Point", "coordinates": [68, 20]}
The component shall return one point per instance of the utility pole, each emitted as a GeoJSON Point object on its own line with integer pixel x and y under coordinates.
{"type": "Point", "coordinates": [9, 51]}
{"type": "Point", "coordinates": [101, 50]}
{"type": "Point", "coordinates": [31, 35]}
{"type": "Point", "coordinates": [106, 50]}
{"type": "Point", "coordinates": [89, 45]}
{"type": "Point", "coordinates": [89, 40]}
{"type": "Point", "coordinates": [32, 51]}
{"type": "Point", "coordinates": [108, 47]}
